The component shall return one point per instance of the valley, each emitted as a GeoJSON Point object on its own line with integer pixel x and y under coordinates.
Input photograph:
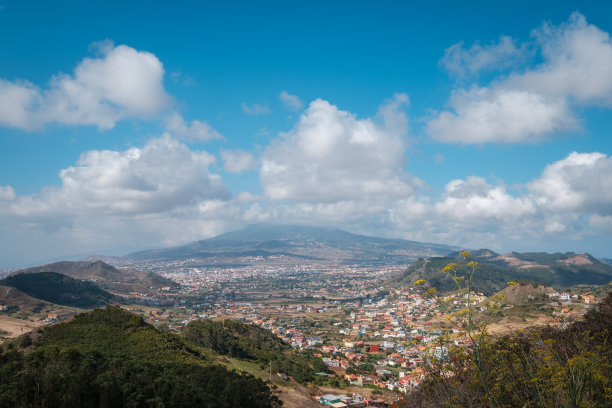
{"type": "Point", "coordinates": [363, 328]}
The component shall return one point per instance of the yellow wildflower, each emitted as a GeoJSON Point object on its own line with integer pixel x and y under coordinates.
{"type": "Point", "coordinates": [450, 267]}
{"type": "Point", "coordinates": [430, 292]}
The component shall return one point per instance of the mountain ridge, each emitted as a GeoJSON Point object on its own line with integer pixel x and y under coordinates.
{"type": "Point", "coordinates": [495, 270]}
{"type": "Point", "coordinates": [59, 289]}
{"type": "Point", "coordinates": [303, 242]}
{"type": "Point", "coordinates": [106, 276]}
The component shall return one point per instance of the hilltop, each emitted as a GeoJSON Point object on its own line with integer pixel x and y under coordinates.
{"type": "Point", "coordinates": [295, 244]}
{"type": "Point", "coordinates": [495, 270]}
{"type": "Point", "coordinates": [59, 289]}
{"type": "Point", "coordinates": [107, 277]}
{"type": "Point", "coordinates": [110, 357]}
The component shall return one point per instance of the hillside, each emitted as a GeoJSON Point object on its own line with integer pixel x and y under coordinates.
{"type": "Point", "coordinates": [560, 270]}
{"type": "Point", "coordinates": [106, 276]}
{"type": "Point", "coordinates": [110, 358]}
{"type": "Point", "coordinates": [59, 289]}
{"type": "Point", "coordinates": [12, 296]}
{"type": "Point", "coordinates": [250, 342]}
{"type": "Point", "coordinates": [547, 366]}
{"type": "Point", "coordinates": [296, 244]}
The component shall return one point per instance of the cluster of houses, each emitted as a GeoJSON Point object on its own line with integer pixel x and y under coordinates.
{"type": "Point", "coordinates": [344, 401]}
{"type": "Point", "coordinates": [566, 297]}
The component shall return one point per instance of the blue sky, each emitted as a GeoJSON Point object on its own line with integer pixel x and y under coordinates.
{"type": "Point", "coordinates": [150, 124]}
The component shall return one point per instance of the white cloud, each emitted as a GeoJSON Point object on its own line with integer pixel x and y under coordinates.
{"type": "Point", "coordinates": [237, 161]}
{"type": "Point", "coordinates": [122, 83]}
{"type": "Point", "coordinates": [16, 103]}
{"type": "Point", "coordinates": [255, 109]}
{"type": "Point", "coordinates": [475, 200]}
{"type": "Point", "coordinates": [577, 63]}
{"type": "Point", "coordinates": [581, 183]}
{"type": "Point", "coordinates": [291, 101]}
{"type": "Point", "coordinates": [484, 115]}
{"type": "Point", "coordinates": [161, 176]}
{"type": "Point", "coordinates": [196, 130]}
{"type": "Point", "coordinates": [461, 62]}
{"type": "Point", "coordinates": [331, 156]}
{"type": "Point", "coordinates": [533, 105]}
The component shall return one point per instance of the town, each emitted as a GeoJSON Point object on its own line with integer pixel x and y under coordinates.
{"type": "Point", "coordinates": [374, 339]}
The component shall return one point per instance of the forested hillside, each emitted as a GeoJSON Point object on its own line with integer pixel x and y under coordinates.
{"type": "Point", "coordinates": [60, 289]}
{"type": "Point", "coordinates": [106, 276]}
{"type": "Point", "coordinates": [494, 270]}
{"type": "Point", "coordinates": [251, 342]}
{"type": "Point", "coordinates": [112, 358]}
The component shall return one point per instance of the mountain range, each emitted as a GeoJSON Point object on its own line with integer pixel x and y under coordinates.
{"type": "Point", "coordinates": [296, 244]}
{"type": "Point", "coordinates": [495, 270]}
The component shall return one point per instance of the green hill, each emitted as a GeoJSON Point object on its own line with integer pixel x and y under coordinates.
{"type": "Point", "coordinates": [250, 342]}
{"type": "Point", "coordinates": [489, 280]}
{"type": "Point", "coordinates": [559, 270]}
{"type": "Point", "coordinates": [234, 338]}
{"type": "Point", "coordinates": [60, 289]}
{"type": "Point", "coordinates": [106, 276]}
{"type": "Point", "coordinates": [112, 358]}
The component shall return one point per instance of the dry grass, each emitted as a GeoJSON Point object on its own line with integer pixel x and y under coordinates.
{"type": "Point", "coordinates": [12, 327]}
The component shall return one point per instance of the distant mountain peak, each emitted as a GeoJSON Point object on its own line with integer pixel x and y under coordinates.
{"type": "Point", "coordinates": [300, 242]}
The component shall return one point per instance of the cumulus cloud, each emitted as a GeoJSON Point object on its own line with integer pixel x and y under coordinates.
{"type": "Point", "coordinates": [237, 161]}
{"type": "Point", "coordinates": [331, 155]}
{"type": "Point", "coordinates": [462, 62]}
{"type": "Point", "coordinates": [255, 109]}
{"type": "Point", "coordinates": [577, 63]}
{"type": "Point", "coordinates": [161, 176]}
{"type": "Point", "coordinates": [581, 182]}
{"type": "Point", "coordinates": [530, 106]}
{"type": "Point", "coordinates": [475, 200]}
{"type": "Point", "coordinates": [291, 101]}
{"type": "Point", "coordinates": [122, 82]}
{"type": "Point", "coordinates": [484, 115]}
{"type": "Point", "coordinates": [195, 130]}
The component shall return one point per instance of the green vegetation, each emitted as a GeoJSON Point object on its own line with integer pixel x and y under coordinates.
{"type": "Point", "coordinates": [60, 289]}
{"type": "Point", "coordinates": [235, 339]}
{"type": "Point", "coordinates": [548, 367]}
{"type": "Point", "coordinates": [491, 277]}
{"type": "Point", "coordinates": [112, 358]}
{"type": "Point", "coordinates": [253, 343]}
{"type": "Point", "coordinates": [106, 276]}
{"type": "Point", "coordinates": [493, 273]}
